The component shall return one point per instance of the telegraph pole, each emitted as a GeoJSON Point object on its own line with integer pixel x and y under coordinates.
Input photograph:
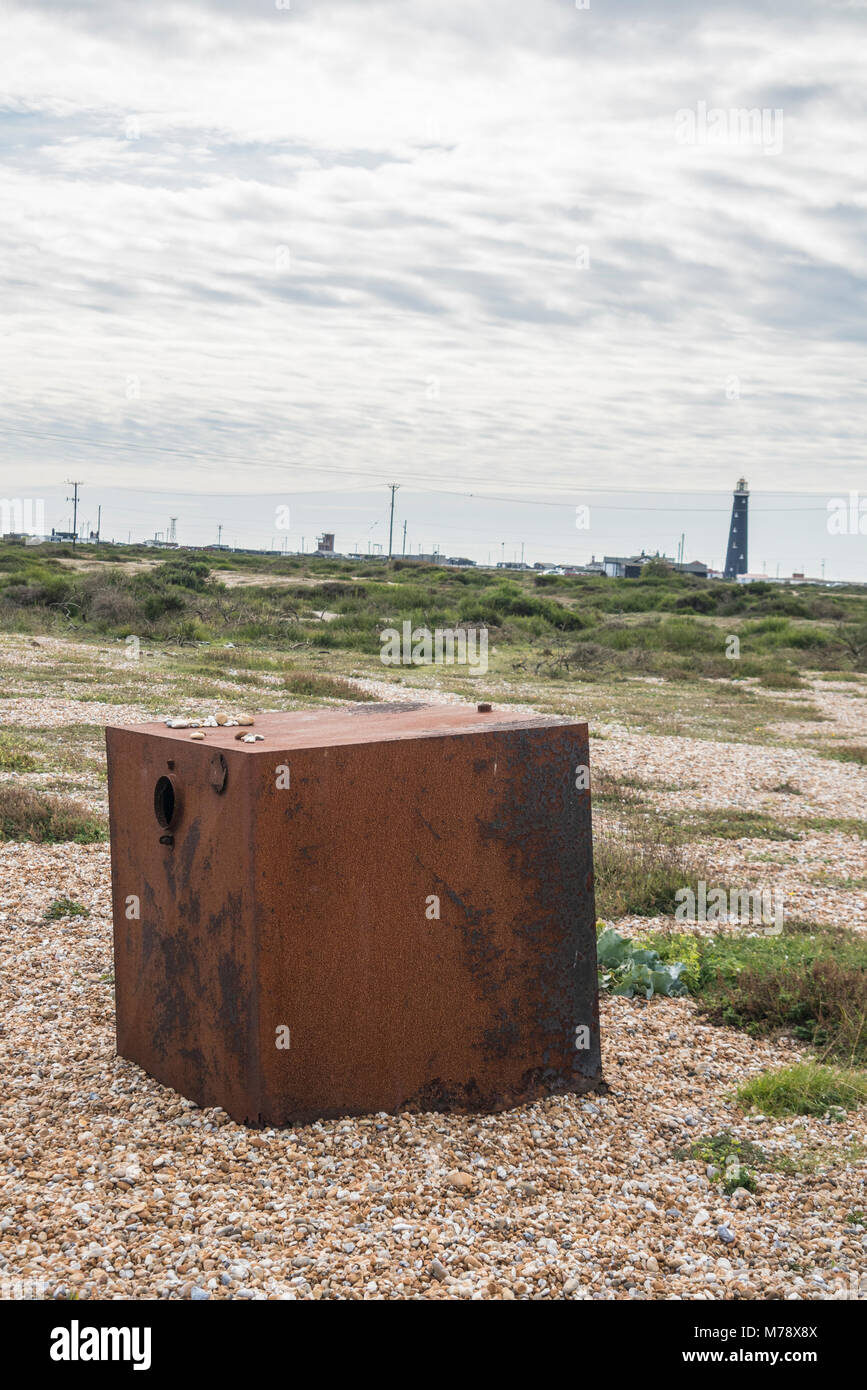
{"type": "Point", "coordinates": [403, 549]}
{"type": "Point", "coordinates": [75, 485]}
{"type": "Point", "coordinates": [394, 487]}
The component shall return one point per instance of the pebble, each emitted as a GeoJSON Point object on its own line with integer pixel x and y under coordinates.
{"type": "Point", "coordinates": [458, 1179]}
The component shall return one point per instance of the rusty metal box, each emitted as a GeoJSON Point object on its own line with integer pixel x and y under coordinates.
{"type": "Point", "coordinates": [373, 908]}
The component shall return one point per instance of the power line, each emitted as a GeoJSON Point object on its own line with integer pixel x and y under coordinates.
{"type": "Point", "coordinates": [196, 455]}
{"type": "Point", "coordinates": [394, 487]}
{"type": "Point", "coordinates": [75, 485]}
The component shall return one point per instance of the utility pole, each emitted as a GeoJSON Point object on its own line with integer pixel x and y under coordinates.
{"type": "Point", "coordinates": [75, 485]}
{"type": "Point", "coordinates": [219, 534]}
{"type": "Point", "coordinates": [403, 548]}
{"type": "Point", "coordinates": [99, 521]}
{"type": "Point", "coordinates": [394, 487]}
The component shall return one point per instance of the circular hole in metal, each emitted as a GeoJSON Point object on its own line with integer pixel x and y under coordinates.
{"type": "Point", "coordinates": [165, 803]}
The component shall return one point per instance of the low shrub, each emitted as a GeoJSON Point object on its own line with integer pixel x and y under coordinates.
{"type": "Point", "coordinates": [30, 815]}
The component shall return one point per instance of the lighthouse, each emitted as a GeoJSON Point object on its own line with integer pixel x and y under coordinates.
{"type": "Point", "coordinates": [736, 555]}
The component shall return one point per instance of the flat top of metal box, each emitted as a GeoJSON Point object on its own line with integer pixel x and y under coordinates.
{"type": "Point", "coordinates": [368, 723]}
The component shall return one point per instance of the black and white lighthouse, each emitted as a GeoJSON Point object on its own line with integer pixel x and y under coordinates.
{"type": "Point", "coordinates": [736, 555]}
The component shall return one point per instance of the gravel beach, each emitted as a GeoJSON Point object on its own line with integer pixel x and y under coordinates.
{"type": "Point", "coordinates": [114, 1187]}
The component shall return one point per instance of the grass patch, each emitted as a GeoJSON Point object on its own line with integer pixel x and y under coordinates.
{"type": "Point", "coordinates": [811, 984]}
{"type": "Point", "coordinates": [637, 874]}
{"type": "Point", "coordinates": [846, 825]}
{"type": "Point", "coordinates": [828, 879]}
{"type": "Point", "coordinates": [14, 756]}
{"type": "Point", "coordinates": [30, 815]}
{"type": "Point", "coordinates": [325, 687]}
{"type": "Point", "coordinates": [730, 1157]}
{"type": "Point", "coordinates": [781, 680]}
{"type": "Point", "coordinates": [641, 860]}
{"type": "Point", "coordinates": [640, 863]}
{"type": "Point", "coordinates": [806, 1089]}
{"type": "Point", "coordinates": [65, 907]}
{"type": "Point", "coordinates": [848, 753]}
{"type": "Point", "coordinates": [735, 1159]}
{"type": "Point", "coordinates": [731, 824]}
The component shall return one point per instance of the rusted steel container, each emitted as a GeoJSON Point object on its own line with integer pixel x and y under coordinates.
{"type": "Point", "coordinates": [377, 908]}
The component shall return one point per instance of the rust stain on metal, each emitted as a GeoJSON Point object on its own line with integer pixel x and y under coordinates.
{"type": "Point", "coordinates": [297, 898]}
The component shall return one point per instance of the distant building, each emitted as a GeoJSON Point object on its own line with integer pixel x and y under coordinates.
{"type": "Point", "coordinates": [325, 543]}
{"type": "Point", "coordinates": [614, 566]}
{"type": "Point", "coordinates": [631, 566]}
{"type": "Point", "coordinates": [627, 566]}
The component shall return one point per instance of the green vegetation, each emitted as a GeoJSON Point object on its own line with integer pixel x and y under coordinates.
{"type": "Point", "coordinates": [65, 907]}
{"type": "Point", "coordinates": [323, 687]}
{"type": "Point", "coordinates": [640, 860]}
{"type": "Point", "coordinates": [781, 680]}
{"type": "Point", "coordinates": [808, 982]}
{"type": "Point", "coordinates": [846, 825]}
{"type": "Point", "coordinates": [628, 969]}
{"type": "Point", "coordinates": [729, 1158]}
{"type": "Point", "coordinates": [663, 624]}
{"type": "Point", "coordinates": [735, 1160]}
{"type": "Point", "coordinates": [14, 756]}
{"type": "Point", "coordinates": [848, 753]}
{"type": "Point", "coordinates": [638, 872]}
{"type": "Point", "coordinates": [805, 1089]}
{"type": "Point", "coordinates": [30, 815]}
{"type": "Point", "coordinates": [732, 824]}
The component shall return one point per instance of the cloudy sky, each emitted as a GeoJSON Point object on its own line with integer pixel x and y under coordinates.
{"type": "Point", "coordinates": [519, 248]}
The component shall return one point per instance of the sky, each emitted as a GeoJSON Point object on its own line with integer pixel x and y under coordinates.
{"type": "Point", "coordinates": [267, 253]}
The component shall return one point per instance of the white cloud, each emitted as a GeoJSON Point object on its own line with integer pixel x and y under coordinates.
{"type": "Point", "coordinates": [437, 240]}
